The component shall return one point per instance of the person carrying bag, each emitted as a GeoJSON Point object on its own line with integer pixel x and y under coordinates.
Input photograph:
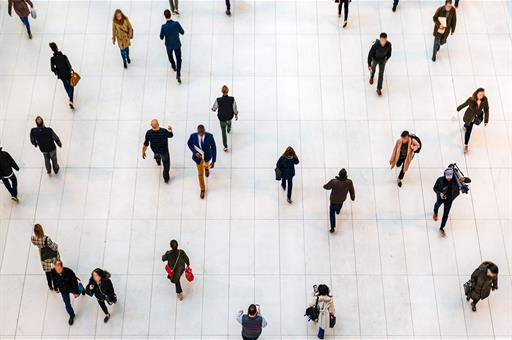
{"type": "Point", "coordinates": [177, 264]}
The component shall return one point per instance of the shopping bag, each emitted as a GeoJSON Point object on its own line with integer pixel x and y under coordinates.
{"type": "Point", "coordinates": [188, 274]}
{"type": "Point", "coordinates": [75, 78]}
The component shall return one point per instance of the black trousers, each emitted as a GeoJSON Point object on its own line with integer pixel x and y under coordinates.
{"type": "Point", "coordinates": [467, 135]}
{"type": "Point", "coordinates": [49, 279]}
{"type": "Point", "coordinates": [176, 65]}
{"type": "Point", "coordinates": [382, 66]}
{"type": "Point", "coordinates": [11, 184]}
{"type": "Point", "coordinates": [343, 3]}
{"type": "Point", "coordinates": [395, 3]}
{"type": "Point", "coordinates": [103, 306]}
{"type": "Point", "coordinates": [446, 212]}
{"type": "Point", "coordinates": [228, 5]}
{"type": "Point", "coordinates": [164, 159]}
{"type": "Point", "coordinates": [401, 162]}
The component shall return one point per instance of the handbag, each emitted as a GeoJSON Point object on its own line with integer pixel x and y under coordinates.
{"type": "Point", "coordinates": [75, 78]}
{"type": "Point", "coordinates": [468, 287]}
{"type": "Point", "coordinates": [188, 274]}
{"type": "Point", "coordinates": [33, 13]}
{"type": "Point", "coordinates": [279, 174]}
{"type": "Point", "coordinates": [169, 270]}
{"type": "Point", "coordinates": [46, 252]}
{"type": "Point", "coordinates": [332, 321]}
{"type": "Point", "coordinates": [479, 117]}
{"type": "Point", "coordinates": [313, 312]}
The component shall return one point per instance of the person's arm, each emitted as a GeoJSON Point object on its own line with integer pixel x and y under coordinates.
{"type": "Point", "coordinates": [191, 144]}
{"type": "Point", "coordinates": [215, 106]}
{"type": "Point", "coordinates": [12, 163]}
{"type": "Point", "coordinates": [463, 105]}
{"type": "Point", "coordinates": [114, 33]}
{"type": "Point", "coordinates": [185, 258]}
{"type": "Point", "coordinates": [486, 113]}
{"type": "Point", "coordinates": [352, 191]}
{"type": "Point", "coordinates": [68, 63]}
{"type": "Point", "coordinates": [30, 3]}
{"type": "Point", "coordinates": [75, 282]}
{"type": "Point", "coordinates": [328, 185]}
{"type": "Point", "coordinates": [495, 282]}
{"type": "Point", "coordinates": [180, 29]}
{"type": "Point", "coordinates": [111, 294]}
{"type": "Point", "coordinates": [331, 309]}
{"type": "Point", "coordinates": [393, 156]}
{"type": "Point", "coordinates": [437, 23]}
{"type": "Point", "coordinates": [130, 29]}
{"type": "Point", "coordinates": [9, 8]}
{"type": "Point", "coordinates": [388, 55]}
{"type": "Point", "coordinates": [53, 246]}
{"type": "Point", "coordinates": [263, 322]}
{"type": "Point", "coordinates": [165, 257]}
{"type": "Point", "coordinates": [371, 53]}
{"type": "Point", "coordinates": [474, 276]}
{"type": "Point", "coordinates": [32, 138]}
{"type": "Point", "coordinates": [279, 163]}
{"type": "Point", "coordinates": [454, 21]}
{"type": "Point", "coordinates": [438, 186]}
{"type": "Point", "coordinates": [295, 160]}
{"type": "Point", "coordinates": [240, 316]}
{"type": "Point", "coordinates": [214, 151]}
{"type": "Point", "coordinates": [235, 109]}
{"type": "Point", "coordinates": [414, 144]}
{"type": "Point", "coordinates": [145, 145]}
{"type": "Point", "coordinates": [56, 138]}
{"type": "Point", "coordinates": [53, 67]}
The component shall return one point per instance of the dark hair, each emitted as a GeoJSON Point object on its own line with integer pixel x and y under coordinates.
{"type": "Point", "coordinates": [174, 245]}
{"type": "Point", "coordinates": [252, 310]}
{"type": "Point", "coordinates": [289, 152]}
{"type": "Point", "coordinates": [343, 174]}
{"type": "Point", "coordinates": [493, 268]}
{"type": "Point", "coordinates": [404, 133]}
{"type": "Point", "coordinates": [448, 2]}
{"type": "Point", "coordinates": [54, 47]}
{"type": "Point", "coordinates": [167, 14]}
{"type": "Point", "coordinates": [101, 273]}
{"type": "Point", "coordinates": [475, 94]}
{"type": "Point", "coordinates": [323, 290]}
{"type": "Point", "coordinates": [42, 121]}
{"type": "Point", "coordinates": [200, 127]}
{"type": "Point", "coordinates": [383, 35]}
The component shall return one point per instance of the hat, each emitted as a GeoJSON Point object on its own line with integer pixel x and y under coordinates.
{"type": "Point", "coordinates": [448, 173]}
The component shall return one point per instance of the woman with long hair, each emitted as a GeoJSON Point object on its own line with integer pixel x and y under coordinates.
{"type": "Point", "coordinates": [122, 31]}
{"type": "Point", "coordinates": [477, 111]}
{"type": "Point", "coordinates": [286, 164]}
{"type": "Point", "coordinates": [177, 261]}
{"type": "Point", "coordinates": [325, 304]}
{"type": "Point", "coordinates": [48, 252]}
{"type": "Point", "coordinates": [102, 288]}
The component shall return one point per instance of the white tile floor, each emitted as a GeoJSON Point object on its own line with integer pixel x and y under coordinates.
{"type": "Point", "coordinates": [299, 80]}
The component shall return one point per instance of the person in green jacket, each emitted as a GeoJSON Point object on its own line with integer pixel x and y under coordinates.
{"type": "Point", "coordinates": [483, 280]}
{"type": "Point", "coordinates": [177, 260]}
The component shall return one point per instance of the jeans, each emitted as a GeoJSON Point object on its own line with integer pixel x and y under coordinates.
{"type": "Point", "coordinates": [25, 22]}
{"type": "Point", "coordinates": [49, 159]}
{"type": "Point", "coordinates": [201, 167]}
{"type": "Point", "coordinates": [467, 135]}
{"type": "Point", "coordinates": [174, 5]}
{"type": "Point", "coordinates": [11, 184]}
{"type": "Point", "coordinates": [103, 306]}
{"type": "Point", "coordinates": [166, 160]}
{"type": "Point", "coordinates": [343, 3]}
{"type": "Point", "coordinates": [175, 65]}
{"type": "Point", "coordinates": [228, 5]}
{"type": "Point", "coordinates": [382, 65]}
{"type": "Point", "coordinates": [438, 41]}
{"type": "Point", "coordinates": [321, 333]}
{"type": "Point", "coordinates": [67, 303]}
{"type": "Point", "coordinates": [401, 162]}
{"type": "Point", "coordinates": [284, 182]}
{"type": "Point", "coordinates": [125, 53]}
{"type": "Point", "coordinates": [69, 89]}
{"type": "Point", "coordinates": [334, 209]}
{"type": "Point", "coordinates": [446, 212]}
{"type": "Point", "coordinates": [225, 127]}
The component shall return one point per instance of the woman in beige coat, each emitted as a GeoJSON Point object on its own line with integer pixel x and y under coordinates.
{"type": "Point", "coordinates": [122, 31]}
{"type": "Point", "coordinates": [402, 154]}
{"type": "Point", "coordinates": [48, 252]}
{"type": "Point", "coordinates": [325, 304]}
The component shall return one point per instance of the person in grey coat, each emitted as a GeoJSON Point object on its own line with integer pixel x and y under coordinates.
{"type": "Point", "coordinates": [46, 139]}
{"type": "Point", "coordinates": [483, 280]}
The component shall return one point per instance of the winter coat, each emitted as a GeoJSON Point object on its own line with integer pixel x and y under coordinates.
{"type": "Point", "coordinates": [41, 243]}
{"type": "Point", "coordinates": [60, 65]}
{"type": "Point", "coordinates": [177, 262]}
{"type": "Point", "coordinates": [67, 282]}
{"type": "Point", "coordinates": [379, 53]}
{"type": "Point", "coordinates": [442, 185]}
{"type": "Point", "coordinates": [123, 32]}
{"type": "Point", "coordinates": [473, 110]}
{"type": "Point", "coordinates": [287, 167]}
{"type": "Point", "coordinates": [481, 283]}
{"type": "Point", "coordinates": [45, 138]}
{"type": "Point", "coordinates": [340, 189]}
{"type": "Point", "coordinates": [103, 291]}
{"type": "Point", "coordinates": [412, 146]}
{"type": "Point", "coordinates": [451, 22]}
{"type": "Point", "coordinates": [20, 7]}
{"type": "Point", "coordinates": [326, 307]}
{"type": "Point", "coordinates": [7, 164]}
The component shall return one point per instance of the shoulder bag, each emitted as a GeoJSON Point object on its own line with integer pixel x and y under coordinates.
{"type": "Point", "coordinates": [169, 270]}
{"type": "Point", "coordinates": [46, 252]}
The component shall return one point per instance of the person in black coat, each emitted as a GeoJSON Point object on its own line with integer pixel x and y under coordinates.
{"type": "Point", "coordinates": [65, 282]}
{"type": "Point", "coordinates": [379, 54]}
{"type": "Point", "coordinates": [286, 164]}
{"type": "Point", "coordinates": [447, 190]}
{"type": "Point", "coordinates": [7, 164]}
{"type": "Point", "coordinates": [477, 111]}
{"type": "Point", "coordinates": [46, 138]}
{"type": "Point", "coordinates": [483, 280]}
{"type": "Point", "coordinates": [101, 287]}
{"type": "Point", "coordinates": [61, 67]}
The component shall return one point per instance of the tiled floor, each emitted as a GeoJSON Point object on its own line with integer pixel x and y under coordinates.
{"type": "Point", "coordinates": [299, 80]}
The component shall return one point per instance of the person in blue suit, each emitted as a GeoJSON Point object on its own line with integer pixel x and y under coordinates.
{"type": "Point", "coordinates": [171, 31]}
{"type": "Point", "coordinates": [204, 154]}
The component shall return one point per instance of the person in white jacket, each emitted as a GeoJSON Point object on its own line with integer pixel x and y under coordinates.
{"type": "Point", "coordinates": [325, 306]}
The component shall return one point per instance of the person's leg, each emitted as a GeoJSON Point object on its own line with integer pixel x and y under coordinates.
{"type": "Point", "coordinates": [345, 9]}
{"type": "Point", "coordinates": [47, 163]}
{"type": "Point", "coordinates": [171, 3]}
{"type": "Point", "coordinates": [103, 306]}
{"type": "Point", "coordinates": [228, 126]}
{"type": "Point", "coordinates": [332, 215]}
{"type": "Point", "coordinates": [69, 89]}
{"type": "Point", "coordinates": [67, 303]}
{"type": "Point", "coordinates": [446, 212]}
{"type": "Point", "coordinates": [437, 205]}
{"type": "Point", "coordinates": [200, 175]}
{"type": "Point", "coordinates": [338, 208]}
{"type": "Point", "coordinates": [382, 66]}
{"type": "Point", "coordinates": [435, 49]}
{"type": "Point", "coordinates": [395, 3]}
{"type": "Point", "coordinates": [283, 183]}
{"type": "Point", "coordinates": [290, 187]}
{"type": "Point", "coordinates": [166, 161]}
{"type": "Point", "coordinates": [177, 52]}
{"type": "Point", "coordinates": [374, 65]}
{"type": "Point", "coordinates": [49, 279]}
{"type": "Point", "coordinates": [14, 185]}
{"type": "Point", "coordinates": [178, 287]}
{"type": "Point", "coordinates": [467, 135]}
{"type": "Point", "coordinates": [55, 162]}
{"type": "Point", "coordinates": [176, 3]}
{"type": "Point", "coordinates": [223, 127]}
{"type": "Point", "coordinates": [339, 7]}
{"type": "Point", "coordinates": [26, 22]}
{"type": "Point", "coordinates": [228, 5]}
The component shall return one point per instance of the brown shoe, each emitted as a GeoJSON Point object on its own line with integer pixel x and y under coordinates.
{"type": "Point", "coordinates": [434, 217]}
{"type": "Point", "coordinates": [379, 92]}
{"type": "Point", "coordinates": [371, 80]}
{"type": "Point", "coordinates": [180, 296]}
{"type": "Point", "coordinates": [202, 194]}
{"type": "Point", "coordinates": [207, 172]}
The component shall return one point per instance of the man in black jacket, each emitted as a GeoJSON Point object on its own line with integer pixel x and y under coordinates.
{"type": "Point", "coordinates": [61, 67]}
{"type": "Point", "coordinates": [65, 282]}
{"type": "Point", "coordinates": [7, 175]}
{"type": "Point", "coordinates": [447, 190]}
{"type": "Point", "coordinates": [46, 138]}
{"type": "Point", "coordinates": [157, 137]}
{"type": "Point", "coordinates": [379, 54]}
{"type": "Point", "coordinates": [226, 105]}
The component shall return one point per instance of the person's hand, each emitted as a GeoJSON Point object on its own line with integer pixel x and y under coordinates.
{"type": "Point", "coordinates": [198, 155]}
{"type": "Point", "coordinates": [443, 196]}
{"type": "Point", "coordinates": [461, 179]}
{"type": "Point", "coordinates": [91, 286]}
{"type": "Point", "coordinates": [370, 68]}
{"type": "Point", "coordinates": [76, 295]}
{"type": "Point", "coordinates": [109, 302]}
{"type": "Point", "coordinates": [241, 311]}
{"type": "Point", "coordinates": [212, 165]}
{"type": "Point", "coordinates": [57, 290]}
{"type": "Point", "coordinates": [236, 118]}
{"type": "Point", "coordinates": [113, 41]}
{"type": "Point", "coordinates": [143, 154]}
{"type": "Point", "coordinates": [169, 128]}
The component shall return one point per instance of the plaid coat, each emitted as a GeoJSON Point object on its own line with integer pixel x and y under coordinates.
{"type": "Point", "coordinates": [39, 243]}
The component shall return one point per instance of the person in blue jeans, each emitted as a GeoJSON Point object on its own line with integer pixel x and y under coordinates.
{"type": "Point", "coordinates": [228, 7]}
{"type": "Point", "coordinates": [286, 164]}
{"type": "Point", "coordinates": [395, 5]}
{"type": "Point", "coordinates": [171, 31]}
{"type": "Point", "coordinates": [22, 10]}
{"type": "Point", "coordinates": [65, 282]}
{"type": "Point", "coordinates": [340, 187]}
{"type": "Point", "coordinates": [61, 67]}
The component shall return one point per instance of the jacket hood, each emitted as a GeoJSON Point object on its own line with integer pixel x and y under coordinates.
{"type": "Point", "coordinates": [324, 298]}
{"type": "Point", "coordinates": [102, 273]}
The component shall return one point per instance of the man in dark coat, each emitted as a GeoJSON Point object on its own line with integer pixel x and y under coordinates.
{"type": "Point", "coordinates": [46, 138]}
{"type": "Point", "coordinates": [483, 280]}
{"type": "Point", "coordinates": [170, 31]}
{"type": "Point", "coordinates": [447, 190]}
{"type": "Point", "coordinates": [445, 20]}
{"type": "Point", "coordinates": [65, 282]}
{"type": "Point", "coordinates": [7, 164]}
{"type": "Point", "coordinates": [61, 67]}
{"type": "Point", "coordinates": [379, 54]}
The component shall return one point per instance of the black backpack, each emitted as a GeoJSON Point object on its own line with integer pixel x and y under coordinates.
{"type": "Point", "coordinates": [417, 139]}
{"type": "Point", "coordinates": [313, 312]}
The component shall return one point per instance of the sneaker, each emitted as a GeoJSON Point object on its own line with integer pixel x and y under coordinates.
{"type": "Point", "coordinates": [228, 12]}
{"type": "Point", "coordinates": [125, 65]}
{"type": "Point", "coordinates": [379, 92]}
{"type": "Point", "coordinates": [433, 59]}
{"type": "Point", "coordinates": [399, 183]}
{"type": "Point", "coordinates": [15, 199]}
{"type": "Point", "coordinates": [371, 81]}
{"type": "Point", "coordinates": [180, 296]}
{"type": "Point", "coordinates": [344, 24]}
{"type": "Point", "coordinates": [434, 217]}
{"type": "Point", "coordinates": [331, 230]}
{"type": "Point", "coordinates": [176, 12]}
{"type": "Point", "coordinates": [225, 149]}
{"type": "Point", "coordinates": [465, 149]}
{"type": "Point", "coordinates": [129, 60]}
{"type": "Point", "coordinates": [443, 233]}
{"type": "Point", "coordinates": [289, 201]}
{"type": "Point", "coordinates": [71, 320]}
{"type": "Point", "coordinates": [166, 180]}
{"type": "Point", "coordinates": [107, 317]}
{"type": "Point", "coordinates": [394, 8]}
{"type": "Point", "coordinates": [178, 79]}
{"type": "Point", "coordinates": [56, 170]}
{"type": "Point", "coordinates": [71, 106]}
{"type": "Point", "coordinates": [473, 307]}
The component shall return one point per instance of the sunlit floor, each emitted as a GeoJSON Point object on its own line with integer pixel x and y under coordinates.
{"type": "Point", "coordinates": [300, 80]}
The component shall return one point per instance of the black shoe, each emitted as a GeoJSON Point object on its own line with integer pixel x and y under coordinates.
{"type": "Point", "coordinates": [399, 184]}
{"type": "Point", "coordinates": [467, 298]}
{"type": "Point", "coordinates": [394, 8]}
{"type": "Point", "coordinates": [29, 35]}
{"type": "Point", "coordinates": [71, 320]}
{"type": "Point", "coordinates": [283, 186]}
{"type": "Point", "coordinates": [56, 170]}
{"type": "Point", "coordinates": [473, 307]}
{"type": "Point", "coordinates": [344, 24]}
{"type": "Point", "coordinates": [331, 230]}
{"type": "Point", "coordinates": [379, 92]}
{"type": "Point", "coordinates": [434, 59]}
{"type": "Point", "coordinates": [166, 180]}
{"type": "Point", "coordinates": [443, 233]}
{"type": "Point", "coordinates": [228, 12]}
{"type": "Point", "coordinates": [129, 60]}
{"type": "Point", "coordinates": [371, 81]}
{"type": "Point", "coordinates": [105, 320]}
{"type": "Point", "coordinates": [173, 68]}
{"type": "Point", "coordinates": [71, 106]}
{"type": "Point", "coordinates": [178, 78]}
{"type": "Point", "coordinates": [124, 64]}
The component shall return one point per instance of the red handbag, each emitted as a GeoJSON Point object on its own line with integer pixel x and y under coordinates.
{"type": "Point", "coordinates": [188, 274]}
{"type": "Point", "coordinates": [169, 270]}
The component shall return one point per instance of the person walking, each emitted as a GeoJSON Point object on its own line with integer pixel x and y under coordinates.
{"type": "Point", "coordinates": [447, 190]}
{"type": "Point", "coordinates": [403, 153]}
{"type": "Point", "coordinates": [174, 7]}
{"type": "Point", "coordinates": [46, 139]}
{"type": "Point", "coordinates": [477, 111]}
{"type": "Point", "coordinates": [21, 7]}
{"type": "Point", "coordinates": [61, 67]}
{"type": "Point", "coordinates": [7, 164]}
{"type": "Point", "coordinates": [48, 252]}
{"type": "Point", "coordinates": [445, 20]}
{"type": "Point", "coordinates": [204, 154]}
{"type": "Point", "coordinates": [171, 31]}
{"type": "Point", "coordinates": [177, 260]}
{"type": "Point", "coordinates": [226, 107]}
{"type": "Point", "coordinates": [344, 4]}
{"type": "Point", "coordinates": [379, 54]}
{"type": "Point", "coordinates": [65, 282]}
{"type": "Point", "coordinates": [323, 301]}
{"type": "Point", "coordinates": [157, 137]}
{"type": "Point", "coordinates": [252, 322]}
{"type": "Point", "coordinates": [483, 280]}
{"type": "Point", "coordinates": [286, 165]}
{"type": "Point", "coordinates": [101, 287]}
{"type": "Point", "coordinates": [340, 187]}
{"type": "Point", "coordinates": [122, 31]}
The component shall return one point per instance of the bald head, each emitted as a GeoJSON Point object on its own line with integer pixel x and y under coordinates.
{"type": "Point", "coordinates": [154, 124]}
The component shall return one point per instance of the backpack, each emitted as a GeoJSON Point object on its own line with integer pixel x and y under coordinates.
{"type": "Point", "coordinates": [417, 139]}
{"type": "Point", "coordinates": [46, 252]}
{"type": "Point", "coordinates": [313, 312]}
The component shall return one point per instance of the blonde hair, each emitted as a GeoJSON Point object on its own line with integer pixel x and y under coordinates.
{"type": "Point", "coordinates": [38, 231]}
{"type": "Point", "coordinates": [225, 89]}
{"type": "Point", "coordinates": [114, 19]}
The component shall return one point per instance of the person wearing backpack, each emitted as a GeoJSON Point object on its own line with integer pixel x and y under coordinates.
{"type": "Point", "coordinates": [483, 280]}
{"type": "Point", "coordinates": [323, 303]}
{"type": "Point", "coordinates": [477, 111]}
{"type": "Point", "coordinates": [102, 288]}
{"type": "Point", "coordinates": [403, 152]}
{"type": "Point", "coordinates": [65, 282]}
{"type": "Point", "coordinates": [48, 252]}
{"type": "Point", "coordinates": [252, 322]}
{"type": "Point", "coordinates": [340, 187]}
{"type": "Point", "coordinates": [177, 261]}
